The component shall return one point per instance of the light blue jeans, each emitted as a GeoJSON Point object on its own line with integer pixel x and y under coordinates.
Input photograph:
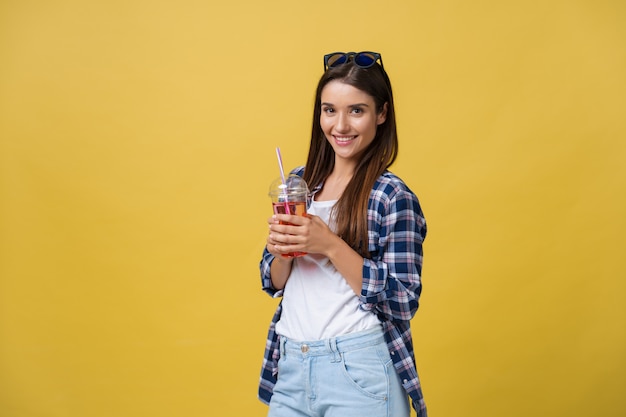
{"type": "Point", "coordinates": [346, 376]}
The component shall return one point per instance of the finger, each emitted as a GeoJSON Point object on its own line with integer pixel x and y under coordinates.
{"type": "Point", "coordinates": [275, 239]}
{"type": "Point", "coordinates": [283, 239]}
{"type": "Point", "coordinates": [289, 234]}
{"type": "Point", "coordinates": [291, 219]}
{"type": "Point", "coordinates": [281, 249]}
{"type": "Point", "coordinates": [286, 249]}
{"type": "Point", "coordinates": [276, 248]}
{"type": "Point", "coordinates": [287, 228]}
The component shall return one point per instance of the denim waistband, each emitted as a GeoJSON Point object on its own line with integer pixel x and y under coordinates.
{"type": "Point", "coordinates": [333, 345]}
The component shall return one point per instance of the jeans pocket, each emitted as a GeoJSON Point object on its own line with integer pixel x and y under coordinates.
{"type": "Point", "coordinates": [367, 370]}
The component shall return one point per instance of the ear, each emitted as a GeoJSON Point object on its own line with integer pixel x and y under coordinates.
{"type": "Point", "coordinates": [382, 116]}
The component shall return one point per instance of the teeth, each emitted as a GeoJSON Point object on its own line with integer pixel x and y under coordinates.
{"type": "Point", "coordinates": [344, 139]}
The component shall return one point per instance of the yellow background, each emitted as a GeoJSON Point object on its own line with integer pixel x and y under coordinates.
{"type": "Point", "coordinates": [136, 147]}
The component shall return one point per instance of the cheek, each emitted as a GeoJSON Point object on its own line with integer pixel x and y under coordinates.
{"type": "Point", "coordinates": [325, 124]}
{"type": "Point", "coordinates": [368, 126]}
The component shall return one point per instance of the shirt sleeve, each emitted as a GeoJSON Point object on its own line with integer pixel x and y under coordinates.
{"type": "Point", "coordinates": [392, 277]}
{"type": "Point", "coordinates": [266, 278]}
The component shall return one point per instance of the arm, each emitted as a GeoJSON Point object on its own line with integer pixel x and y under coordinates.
{"type": "Point", "coordinates": [347, 262]}
{"type": "Point", "coordinates": [274, 272]}
{"type": "Point", "coordinates": [279, 272]}
{"type": "Point", "coordinates": [275, 269]}
{"type": "Point", "coordinates": [392, 278]}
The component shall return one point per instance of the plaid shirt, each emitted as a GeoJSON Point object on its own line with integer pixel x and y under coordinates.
{"type": "Point", "coordinates": [391, 281]}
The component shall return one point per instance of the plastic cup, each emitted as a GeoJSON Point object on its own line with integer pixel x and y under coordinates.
{"type": "Point", "coordinates": [290, 197]}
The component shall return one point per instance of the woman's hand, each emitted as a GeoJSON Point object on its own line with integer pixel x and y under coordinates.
{"type": "Point", "coordinates": [289, 233]}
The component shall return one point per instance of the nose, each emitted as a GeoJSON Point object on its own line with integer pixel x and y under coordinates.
{"type": "Point", "coordinates": [342, 125]}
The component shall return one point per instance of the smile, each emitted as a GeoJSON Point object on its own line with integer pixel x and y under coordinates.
{"type": "Point", "coordinates": [342, 140]}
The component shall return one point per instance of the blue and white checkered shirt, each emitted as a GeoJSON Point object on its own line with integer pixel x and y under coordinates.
{"type": "Point", "coordinates": [391, 281]}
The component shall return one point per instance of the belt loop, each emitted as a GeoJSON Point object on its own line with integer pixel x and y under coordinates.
{"type": "Point", "coordinates": [333, 347]}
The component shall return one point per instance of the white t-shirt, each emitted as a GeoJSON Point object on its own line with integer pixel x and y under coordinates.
{"type": "Point", "coordinates": [317, 301]}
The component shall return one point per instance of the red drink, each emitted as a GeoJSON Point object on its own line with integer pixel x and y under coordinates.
{"type": "Point", "coordinates": [297, 208]}
{"type": "Point", "coordinates": [289, 196]}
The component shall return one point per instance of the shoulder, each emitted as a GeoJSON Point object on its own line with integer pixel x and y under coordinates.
{"type": "Point", "coordinates": [391, 194]}
{"type": "Point", "coordinates": [299, 171]}
{"type": "Point", "coordinates": [393, 200]}
{"type": "Point", "coordinates": [389, 186]}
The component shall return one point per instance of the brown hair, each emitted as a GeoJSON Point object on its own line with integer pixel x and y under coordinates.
{"type": "Point", "coordinates": [351, 208]}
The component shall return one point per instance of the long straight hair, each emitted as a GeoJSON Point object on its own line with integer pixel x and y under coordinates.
{"type": "Point", "coordinates": [351, 209]}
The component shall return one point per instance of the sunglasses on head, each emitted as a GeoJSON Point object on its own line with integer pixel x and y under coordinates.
{"type": "Point", "coordinates": [361, 59]}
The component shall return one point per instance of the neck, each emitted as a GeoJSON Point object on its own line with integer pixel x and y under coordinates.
{"type": "Point", "coordinates": [336, 183]}
{"type": "Point", "coordinates": [343, 169]}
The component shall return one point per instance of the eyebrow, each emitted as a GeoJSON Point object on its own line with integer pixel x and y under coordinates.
{"type": "Point", "coordinates": [350, 105]}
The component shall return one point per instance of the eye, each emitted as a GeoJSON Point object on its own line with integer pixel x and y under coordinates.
{"type": "Point", "coordinates": [327, 109]}
{"type": "Point", "coordinates": [357, 110]}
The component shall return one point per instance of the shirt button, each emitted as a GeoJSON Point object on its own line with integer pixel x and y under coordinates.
{"type": "Point", "coordinates": [304, 348]}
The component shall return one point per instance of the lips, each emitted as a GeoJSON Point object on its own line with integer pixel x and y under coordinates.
{"type": "Point", "coordinates": [344, 140]}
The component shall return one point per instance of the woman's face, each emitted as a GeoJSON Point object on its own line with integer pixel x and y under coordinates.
{"type": "Point", "coordinates": [349, 120]}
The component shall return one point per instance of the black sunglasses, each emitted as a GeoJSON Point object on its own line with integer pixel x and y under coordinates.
{"type": "Point", "coordinates": [361, 59]}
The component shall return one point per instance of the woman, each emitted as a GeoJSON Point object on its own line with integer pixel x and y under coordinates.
{"type": "Point", "coordinates": [340, 342]}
